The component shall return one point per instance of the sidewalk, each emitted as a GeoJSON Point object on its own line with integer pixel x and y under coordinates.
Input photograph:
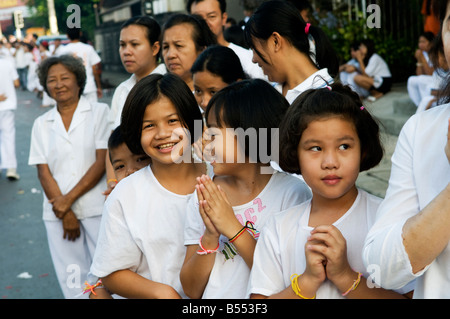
{"type": "Point", "coordinates": [392, 110]}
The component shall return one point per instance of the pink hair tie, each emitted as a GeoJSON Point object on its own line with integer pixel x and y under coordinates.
{"type": "Point", "coordinates": [308, 25]}
{"type": "Point", "coordinates": [362, 108]}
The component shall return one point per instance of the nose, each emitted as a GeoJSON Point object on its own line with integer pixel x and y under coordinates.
{"type": "Point", "coordinates": [163, 132]}
{"type": "Point", "coordinates": [330, 160]}
{"type": "Point", "coordinates": [204, 101]}
{"type": "Point", "coordinates": [131, 170]}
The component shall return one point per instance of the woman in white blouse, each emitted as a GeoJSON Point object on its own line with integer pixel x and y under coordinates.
{"type": "Point", "coordinates": [410, 238]}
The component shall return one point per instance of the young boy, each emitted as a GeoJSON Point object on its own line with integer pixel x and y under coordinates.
{"type": "Point", "coordinates": [123, 161]}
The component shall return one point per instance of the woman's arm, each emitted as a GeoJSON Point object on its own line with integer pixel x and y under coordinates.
{"type": "Point", "coordinates": [128, 284]}
{"type": "Point", "coordinates": [50, 186]}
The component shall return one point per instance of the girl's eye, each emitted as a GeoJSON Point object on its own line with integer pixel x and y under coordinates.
{"type": "Point", "coordinates": [315, 149]}
{"type": "Point", "coordinates": [343, 147]}
{"type": "Point", "coordinates": [147, 126]}
{"type": "Point", "coordinates": [118, 167]}
{"type": "Point", "coordinates": [141, 159]}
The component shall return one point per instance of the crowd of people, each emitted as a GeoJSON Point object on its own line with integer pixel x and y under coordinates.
{"type": "Point", "coordinates": [193, 211]}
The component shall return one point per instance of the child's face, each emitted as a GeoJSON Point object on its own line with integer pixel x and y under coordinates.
{"type": "Point", "coordinates": [206, 85]}
{"type": "Point", "coordinates": [329, 154]}
{"type": "Point", "coordinates": [163, 137]}
{"type": "Point", "coordinates": [222, 147]}
{"type": "Point", "coordinates": [126, 163]}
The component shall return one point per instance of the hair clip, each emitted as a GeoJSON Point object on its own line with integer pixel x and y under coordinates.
{"type": "Point", "coordinates": [362, 108]}
{"type": "Point", "coordinates": [328, 87]}
{"type": "Point", "coordinates": [308, 25]}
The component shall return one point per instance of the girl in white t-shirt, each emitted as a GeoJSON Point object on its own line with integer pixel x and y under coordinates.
{"type": "Point", "coordinates": [225, 217]}
{"type": "Point", "coordinates": [314, 249]}
{"type": "Point", "coordinates": [140, 247]}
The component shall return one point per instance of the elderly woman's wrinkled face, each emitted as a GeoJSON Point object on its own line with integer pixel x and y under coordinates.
{"type": "Point", "coordinates": [62, 84]}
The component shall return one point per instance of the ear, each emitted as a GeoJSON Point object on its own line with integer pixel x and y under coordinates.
{"type": "Point", "coordinates": [156, 48]}
{"type": "Point", "coordinates": [224, 18]}
{"type": "Point", "coordinates": [277, 41]}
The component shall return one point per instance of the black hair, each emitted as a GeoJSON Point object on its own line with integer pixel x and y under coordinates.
{"type": "Point", "coordinates": [301, 4]}
{"type": "Point", "coordinates": [370, 45]}
{"type": "Point", "coordinates": [221, 61]}
{"type": "Point", "coordinates": [428, 35]}
{"type": "Point", "coordinates": [149, 90]}
{"type": "Point", "coordinates": [284, 18]}
{"type": "Point", "coordinates": [201, 34]}
{"type": "Point", "coordinates": [74, 64]}
{"type": "Point", "coordinates": [235, 34]}
{"type": "Point", "coordinates": [73, 33]}
{"type": "Point", "coordinates": [315, 104]}
{"type": "Point", "coordinates": [222, 4]}
{"type": "Point", "coordinates": [115, 139]}
{"type": "Point", "coordinates": [249, 104]}
{"type": "Point", "coordinates": [151, 26]}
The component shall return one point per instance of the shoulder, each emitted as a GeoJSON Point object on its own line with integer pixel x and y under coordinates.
{"type": "Point", "coordinates": [160, 69]}
{"type": "Point", "coordinates": [283, 221]}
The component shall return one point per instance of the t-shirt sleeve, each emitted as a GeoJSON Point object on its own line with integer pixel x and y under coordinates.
{"type": "Point", "coordinates": [37, 148]}
{"type": "Point", "coordinates": [194, 227]}
{"type": "Point", "coordinates": [102, 129]}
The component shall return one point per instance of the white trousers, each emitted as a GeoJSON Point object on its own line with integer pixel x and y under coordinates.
{"type": "Point", "coordinates": [419, 86]}
{"type": "Point", "coordinates": [7, 140]}
{"type": "Point", "coordinates": [72, 259]}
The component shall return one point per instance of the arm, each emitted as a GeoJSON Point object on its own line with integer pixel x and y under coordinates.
{"type": "Point", "coordinates": [422, 66]}
{"type": "Point", "coordinates": [96, 71]}
{"type": "Point", "coordinates": [128, 284]}
{"type": "Point", "coordinates": [50, 186]}
{"type": "Point", "coordinates": [62, 203]}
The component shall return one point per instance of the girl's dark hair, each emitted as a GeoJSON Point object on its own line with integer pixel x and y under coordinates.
{"type": "Point", "coordinates": [370, 45]}
{"type": "Point", "coordinates": [115, 139]}
{"type": "Point", "coordinates": [249, 104]}
{"type": "Point", "coordinates": [428, 35]}
{"type": "Point", "coordinates": [321, 103]}
{"type": "Point", "coordinates": [74, 64]}
{"type": "Point", "coordinates": [221, 61]}
{"type": "Point", "coordinates": [149, 90]}
{"type": "Point", "coordinates": [201, 34]}
{"type": "Point", "coordinates": [284, 18]}
{"type": "Point", "coordinates": [440, 10]}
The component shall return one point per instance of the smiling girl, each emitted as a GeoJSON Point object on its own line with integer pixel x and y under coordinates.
{"type": "Point", "coordinates": [140, 246]}
{"type": "Point", "coordinates": [329, 137]}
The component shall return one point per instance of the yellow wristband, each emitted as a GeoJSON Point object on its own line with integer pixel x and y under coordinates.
{"type": "Point", "coordinates": [111, 180]}
{"type": "Point", "coordinates": [296, 288]}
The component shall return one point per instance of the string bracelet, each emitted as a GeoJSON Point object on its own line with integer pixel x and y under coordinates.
{"type": "Point", "coordinates": [354, 286]}
{"type": "Point", "coordinates": [296, 288]}
{"type": "Point", "coordinates": [111, 180]}
{"type": "Point", "coordinates": [90, 288]}
{"type": "Point", "coordinates": [204, 251]}
{"type": "Point", "coordinates": [250, 228]}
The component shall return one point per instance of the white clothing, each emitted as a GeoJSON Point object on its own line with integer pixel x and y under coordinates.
{"type": "Point", "coordinates": [280, 251]}
{"type": "Point", "coordinates": [90, 58]}
{"type": "Point", "coordinates": [9, 75]}
{"type": "Point", "coordinates": [420, 171]}
{"type": "Point", "coordinates": [72, 259]}
{"type": "Point", "coordinates": [253, 70]}
{"type": "Point", "coordinates": [230, 274]}
{"type": "Point", "coordinates": [69, 154]}
{"type": "Point", "coordinates": [121, 93]}
{"type": "Point", "coordinates": [8, 157]}
{"type": "Point", "coordinates": [22, 58]}
{"type": "Point", "coordinates": [318, 80]}
{"type": "Point", "coordinates": [142, 230]}
{"type": "Point", "coordinates": [378, 69]}
{"type": "Point", "coordinates": [425, 88]}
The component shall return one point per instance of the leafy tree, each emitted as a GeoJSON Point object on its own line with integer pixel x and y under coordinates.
{"type": "Point", "coordinates": [40, 18]}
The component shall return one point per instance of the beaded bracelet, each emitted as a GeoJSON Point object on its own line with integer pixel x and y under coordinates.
{"type": "Point", "coordinates": [206, 251]}
{"type": "Point", "coordinates": [354, 286]}
{"type": "Point", "coordinates": [296, 288]}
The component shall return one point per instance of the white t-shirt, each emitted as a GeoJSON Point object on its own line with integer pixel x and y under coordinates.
{"type": "Point", "coordinates": [318, 80]}
{"type": "Point", "coordinates": [69, 154]}
{"type": "Point", "coordinates": [9, 75]}
{"type": "Point", "coordinates": [280, 250]}
{"type": "Point", "coordinates": [420, 171]}
{"type": "Point", "coordinates": [378, 69]}
{"type": "Point", "coordinates": [142, 230]}
{"type": "Point", "coordinates": [90, 58]}
{"type": "Point", "coordinates": [121, 94]}
{"type": "Point", "coordinates": [230, 274]}
{"type": "Point", "coordinates": [253, 70]}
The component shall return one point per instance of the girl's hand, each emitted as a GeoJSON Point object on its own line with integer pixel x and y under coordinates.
{"type": "Point", "coordinates": [210, 231]}
{"type": "Point", "coordinates": [334, 248]}
{"type": "Point", "coordinates": [315, 263]}
{"type": "Point", "coordinates": [71, 226]}
{"type": "Point", "coordinates": [218, 209]}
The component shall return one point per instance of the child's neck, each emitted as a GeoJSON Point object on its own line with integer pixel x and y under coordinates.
{"type": "Point", "coordinates": [244, 184]}
{"type": "Point", "coordinates": [170, 175]}
{"type": "Point", "coordinates": [326, 211]}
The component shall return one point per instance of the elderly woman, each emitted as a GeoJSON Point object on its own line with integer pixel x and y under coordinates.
{"type": "Point", "coordinates": [68, 146]}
